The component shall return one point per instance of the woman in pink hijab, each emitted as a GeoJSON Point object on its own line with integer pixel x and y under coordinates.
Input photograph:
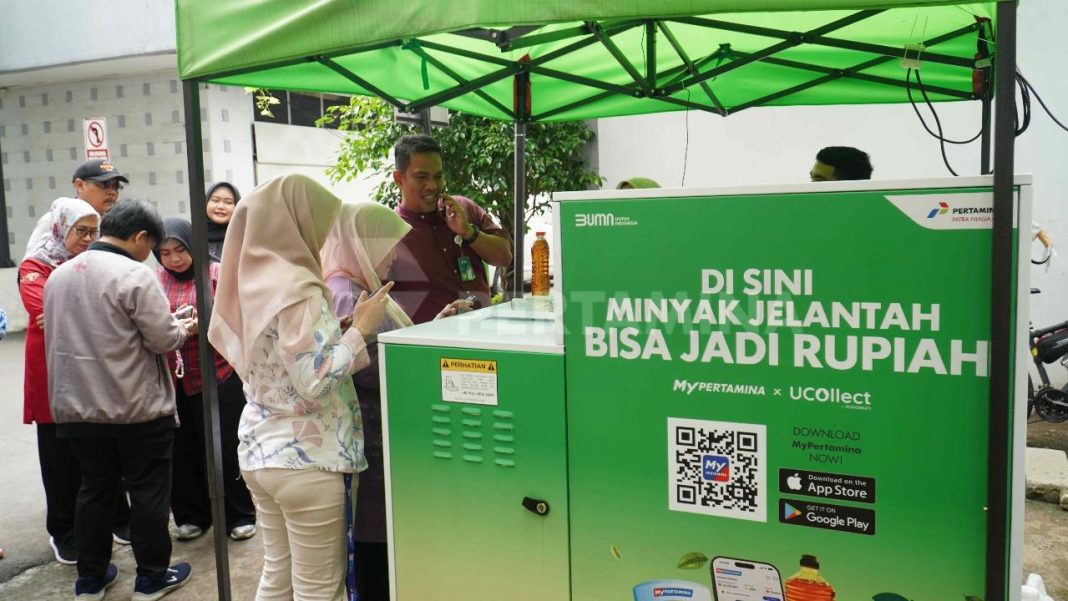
{"type": "Point", "coordinates": [356, 257]}
{"type": "Point", "coordinates": [301, 436]}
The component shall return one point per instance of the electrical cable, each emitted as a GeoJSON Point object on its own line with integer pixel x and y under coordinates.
{"type": "Point", "coordinates": [1027, 85]}
{"type": "Point", "coordinates": [938, 122]}
{"type": "Point", "coordinates": [1024, 122]}
{"type": "Point", "coordinates": [908, 87]}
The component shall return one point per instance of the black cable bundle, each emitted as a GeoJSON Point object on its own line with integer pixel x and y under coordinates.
{"type": "Point", "coordinates": [942, 140]}
{"type": "Point", "coordinates": [1021, 120]}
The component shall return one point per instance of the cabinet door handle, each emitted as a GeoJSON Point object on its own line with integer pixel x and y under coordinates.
{"type": "Point", "coordinates": [536, 505]}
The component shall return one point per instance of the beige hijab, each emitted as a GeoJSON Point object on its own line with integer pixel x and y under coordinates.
{"type": "Point", "coordinates": [270, 268]}
{"type": "Point", "coordinates": [364, 236]}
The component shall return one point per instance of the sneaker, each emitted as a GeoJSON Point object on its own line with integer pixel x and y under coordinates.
{"type": "Point", "coordinates": [146, 589]}
{"type": "Point", "coordinates": [121, 535]}
{"type": "Point", "coordinates": [65, 554]}
{"type": "Point", "coordinates": [189, 532]}
{"type": "Point", "coordinates": [93, 588]}
{"type": "Point", "coordinates": [243, 532]}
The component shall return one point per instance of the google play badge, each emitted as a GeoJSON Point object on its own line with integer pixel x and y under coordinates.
{"type": "Point", "coordinates": [789, 512]}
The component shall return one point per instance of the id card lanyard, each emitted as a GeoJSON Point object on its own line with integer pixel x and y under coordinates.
{"type": "Point", "coordinates": [463, 264]}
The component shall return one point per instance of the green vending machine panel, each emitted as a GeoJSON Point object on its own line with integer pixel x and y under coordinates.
{"type": "Point", "coordinates": [473, 410]}
{"type": "Point", "coordinates": [782, 394]}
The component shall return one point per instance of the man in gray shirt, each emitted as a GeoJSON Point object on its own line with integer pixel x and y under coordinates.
{"type": "Point", "coordinates": [111, 395]}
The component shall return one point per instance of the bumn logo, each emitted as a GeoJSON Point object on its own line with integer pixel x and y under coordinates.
{"type": "Point", "coordinates": [716, 468]}
{"type": "Point", "coordinates": [594, 219]}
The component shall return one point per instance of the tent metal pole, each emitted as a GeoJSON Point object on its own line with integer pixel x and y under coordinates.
{"type": "Point", "coordinates": [817, 37]}
{"type": "Point", "coordinates": [520, 209]}
{"type": "Point", "coordinates": [464, 87]}
{"type": "Point", "coordinates": [356, 79]}
{"type": "Point", "coordinates": [212, 435]}
{"type": "Point", "coordinates": [690, 67]}
{"type": "Point", "coordinates": [1001, 312]}
{"type": "Point", "coordinates": [521, 103]}
{"type": "Point", "coordinates": [855, 73]}
{"type": "Point", "coordinates": [5, 241]}
{"type": "Point", "coordinates": [984, 151]}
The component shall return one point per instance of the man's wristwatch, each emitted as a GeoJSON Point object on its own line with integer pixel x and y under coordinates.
{"type": "Point", "coordinates": [474, 236]}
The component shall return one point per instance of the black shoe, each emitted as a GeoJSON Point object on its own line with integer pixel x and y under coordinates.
{"type": "Point", "coordinates": [65, 554]}
{"type": "Point", "coordinates": [121, 535]}
{"type": "Point", "coordinates": [92, 588]}
{"type": "Point", "coordinates": [146, 589]}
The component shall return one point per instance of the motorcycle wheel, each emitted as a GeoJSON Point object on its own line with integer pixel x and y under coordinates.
{"type": "Point", "coordinates": [1051, 404]}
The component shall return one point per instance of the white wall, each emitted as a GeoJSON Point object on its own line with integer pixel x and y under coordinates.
{"type": "Point", "coordinates": [41, 33]}
{"type": "Point", "coordinates": [284, 149]}
{"type": "Point", "coordinates": [778, 145]}
{"type": "Point", "coordinates": [227, 136]}
{"type": "Point", "coordinates": [41, 142]}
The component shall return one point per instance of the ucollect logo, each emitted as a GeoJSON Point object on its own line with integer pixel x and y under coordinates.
{"type": "Point", "coordinates": [716, 468]}
{"type": "Point", "coordinates": [942, 209]}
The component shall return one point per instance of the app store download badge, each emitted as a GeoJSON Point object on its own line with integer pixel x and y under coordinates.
{"type": "Point", "coordinates": [671, 590]}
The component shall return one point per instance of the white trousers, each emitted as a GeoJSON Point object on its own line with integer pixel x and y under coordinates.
{"type": "Point", "coordinates": [300, 515]}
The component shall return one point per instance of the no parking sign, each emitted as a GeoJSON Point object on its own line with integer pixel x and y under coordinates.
{"type": "Point", "coordinates": [96, 138]}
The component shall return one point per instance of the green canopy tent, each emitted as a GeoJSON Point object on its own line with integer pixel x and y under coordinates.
{"type": "Point", "coordinates": [545, 60]}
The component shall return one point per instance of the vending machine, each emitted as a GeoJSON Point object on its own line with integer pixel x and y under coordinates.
{"type": "Point", "coordinates": [743, 394]}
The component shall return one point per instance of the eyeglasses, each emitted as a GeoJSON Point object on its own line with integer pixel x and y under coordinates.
{"type": "Point", "coordinates": [87, 232]}
{"type": "Point", "coordinates": [114, 184]}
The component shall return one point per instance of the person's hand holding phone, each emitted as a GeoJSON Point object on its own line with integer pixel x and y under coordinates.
{"type": "Point", "coordinates": [185, 312]}
{"type": "Point", "coordinates": [455, 307]}
{"type": "Point", "coordinates": [370, 311]}
{"type": "Point", "coordinates": [192, 327]}
{"type": "Point", "coordinates": [455, 216]}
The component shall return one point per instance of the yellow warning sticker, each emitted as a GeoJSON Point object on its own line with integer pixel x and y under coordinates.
{"type": "Point", "coordinates": [484, 367]}
{"type": "Point", "coordinates": [469, 381]}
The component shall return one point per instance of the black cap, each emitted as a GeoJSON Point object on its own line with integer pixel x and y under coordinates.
{"type": "Point", "coordinates": [810, 561]}
{"type": "Point", "coordinates": [98, 171]}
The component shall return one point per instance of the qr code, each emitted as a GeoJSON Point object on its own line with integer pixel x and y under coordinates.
{"type": "Point", "coordinates": [717, 468]}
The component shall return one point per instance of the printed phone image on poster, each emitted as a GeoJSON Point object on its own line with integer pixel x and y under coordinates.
{"type": "Point", "coordinates": [798, 381]}
{"type": "Point", "coordinates": [741, 580]}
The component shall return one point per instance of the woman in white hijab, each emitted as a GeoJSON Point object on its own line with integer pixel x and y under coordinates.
{"type": "Point", "coordinates": [73, 224]}
{"type": "Point", "coordinates": [300, 435]}
{"type": "Point", "coordinates": [356, 257]}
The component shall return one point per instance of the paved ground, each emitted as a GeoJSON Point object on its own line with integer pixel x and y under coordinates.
{"type": "Point", "coordinates": [1046, 528]}
{"type": "Point", "coordinates": [29, 572]}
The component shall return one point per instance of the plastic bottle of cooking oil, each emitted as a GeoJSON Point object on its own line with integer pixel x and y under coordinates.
{"type": "Point", "coordinates": [539, 275]}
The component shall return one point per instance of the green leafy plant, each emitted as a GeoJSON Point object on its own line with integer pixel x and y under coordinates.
{"type": "Point", "coordinates": [478, 154]}
{"type": "Point", "coordinates": [264, 100]}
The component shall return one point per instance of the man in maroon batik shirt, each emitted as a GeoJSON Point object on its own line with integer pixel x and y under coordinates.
{"type": "Point", "coordinates": [443, 257]}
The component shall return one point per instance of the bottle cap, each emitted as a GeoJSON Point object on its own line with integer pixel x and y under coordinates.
{"type": "Point", "coordinates": [810, 561]}
{"type": "Point", "coordinates": [539, 234]}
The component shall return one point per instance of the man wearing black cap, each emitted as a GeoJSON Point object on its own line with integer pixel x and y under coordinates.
{"type": "Point", "coordinates": [98, 183]}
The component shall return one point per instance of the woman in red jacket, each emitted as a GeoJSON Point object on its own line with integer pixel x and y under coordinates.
{"type": "Point", "coordinates": [74, 226]}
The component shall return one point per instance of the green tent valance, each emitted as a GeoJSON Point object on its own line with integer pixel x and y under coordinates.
{"type": "Point", "coordinates": [590, 58]}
